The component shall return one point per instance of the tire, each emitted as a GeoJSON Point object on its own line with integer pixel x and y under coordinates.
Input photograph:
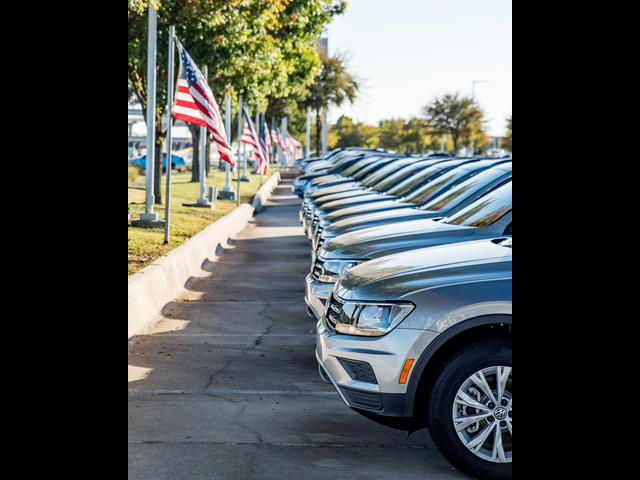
{"type": "Point", "coordinates": [475, 383]}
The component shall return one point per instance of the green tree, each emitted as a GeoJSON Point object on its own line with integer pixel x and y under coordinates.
{"type": "Point", "coordinates": [253, 48]}
{"type": "Point", "coordinates": [457, 116]}
{"type": "Point", "coordinates": [405, 136]}
{"type": "Point", "coordinates": [507, 140]}
{"type": "Point", "coordinates": [355, 134]}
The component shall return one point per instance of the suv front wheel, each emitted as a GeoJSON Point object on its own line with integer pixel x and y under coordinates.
{"type": "Point", "coordinates": [470, 409]}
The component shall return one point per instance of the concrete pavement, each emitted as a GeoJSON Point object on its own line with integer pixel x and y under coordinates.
{"type": "Point", "coordinates": [225, 385]}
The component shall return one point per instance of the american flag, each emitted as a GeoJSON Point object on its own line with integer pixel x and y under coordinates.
{"type": "Point", "coordinates": [282, 144]}
{"type": "Point", "coordinates": [274, 137]}
{"type": "Point", "coordinates": [196, 104]}
{"type": "Point", "coordinates": [265, 141]}
{"type": "Point", "coordinates": [293, 145]}
{"type": "Point", "coordinates": [250, 137]}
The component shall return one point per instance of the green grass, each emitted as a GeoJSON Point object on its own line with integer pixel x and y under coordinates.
{"type": "Point", "coordinates": [147, 244]}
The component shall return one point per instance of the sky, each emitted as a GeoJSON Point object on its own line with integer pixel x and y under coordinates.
{"type": "Point", "coordinates": [407, 52]}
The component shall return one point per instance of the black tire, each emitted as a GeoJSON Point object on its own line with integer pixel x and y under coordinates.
{"type": "Point", "coordinates": [455, 376]}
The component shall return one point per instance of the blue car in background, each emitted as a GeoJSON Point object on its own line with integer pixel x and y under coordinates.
{"type": "Point", "coordinates": [141, 162]}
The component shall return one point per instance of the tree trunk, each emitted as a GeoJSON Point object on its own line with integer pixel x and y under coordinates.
{"type": "Point", "coordinates": [195, 165]}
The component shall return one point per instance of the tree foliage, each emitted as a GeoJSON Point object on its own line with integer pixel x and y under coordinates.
{"type": "Point", "coordinates": [457, 116]}
{"type": "Point", "coordinates": [254, 48]}
{"type": "Point", "coordinates": [507, 140]}
{"type": "Point", "coordinates": [352, 134]}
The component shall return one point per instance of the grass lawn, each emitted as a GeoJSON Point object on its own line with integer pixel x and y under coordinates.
{"type": "Point", "coordinates": [147, 244]}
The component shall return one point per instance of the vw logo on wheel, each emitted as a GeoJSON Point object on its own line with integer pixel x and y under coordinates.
{"type": "Point", "coordinates": [500, 413]}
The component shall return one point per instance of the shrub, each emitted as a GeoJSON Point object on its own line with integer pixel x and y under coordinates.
{"type": "Point", "coordinates": [134, 173]}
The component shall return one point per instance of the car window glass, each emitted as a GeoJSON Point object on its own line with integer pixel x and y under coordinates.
{"type": "Point", "coordinates": [364, 171]}
{"type": "Point", "coordinates": [427, 191]}
{"type": "Point", "coordinates": [464, 189]}
{"type": "Point", "coordinates": [415, 181]}
{"type": "Point", "coordinates": [397, 177]}
{"type": "Point", "coordinates": [379, 175]}
{"type": "Point", "coordinates": [486, 209]}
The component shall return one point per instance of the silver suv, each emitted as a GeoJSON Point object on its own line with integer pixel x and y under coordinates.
{"type": "Point", "coordinates": [423, 339]}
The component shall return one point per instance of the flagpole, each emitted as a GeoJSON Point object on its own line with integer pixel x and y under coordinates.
{"type": "Point", "coordinates": [203, 154]}
{"type": "Point", "coordinates": [244, 177]}
{"type": "Point", "coordinates": [276, 155]}
{"type": "Point", "coordinates": [240, 130]}
{"type": "Point", "coordinates": [308, 137]}
{"type": "Point", "coordinates": [285, 159]}
{"type": "Point", "coordinates": [227, 193]}
{"type": "Point", "coordinates": [149, 217]}
{"type": "Point", "coordinates": [169, 140]}
{"type": "Point", "coordinates": [265, 153]}
{"type": "Point", "coordinates": [257, 125]}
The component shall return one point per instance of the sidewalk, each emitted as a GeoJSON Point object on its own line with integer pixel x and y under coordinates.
{"type": "Point", "coordinates": [226, 384]}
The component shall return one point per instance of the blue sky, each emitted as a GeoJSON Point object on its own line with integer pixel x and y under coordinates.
{"type": "Point", "coordinates": [409, 51]}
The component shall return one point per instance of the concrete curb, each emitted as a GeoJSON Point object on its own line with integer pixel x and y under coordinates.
{"type": "Point", "coordinates": [158, 284]}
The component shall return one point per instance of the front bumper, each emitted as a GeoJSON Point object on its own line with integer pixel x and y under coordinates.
{"type": "Point", "coordinates": [366, 371]}
{"type": "Point", "coordinates": [316, 295]}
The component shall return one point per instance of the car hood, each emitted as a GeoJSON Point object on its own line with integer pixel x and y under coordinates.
{"type": "Point", "coordinates": [369, 207]}
{"type": "Point", "coordinates": [343, 187]}
{"type": "Point", "coordinates": [368, 243]}
{"type": "Point", "coordinates": [329, 179]}
{"type": "Point", "coordinates": [322, 200]}
{"type": "Point", "coordinates": [398, 212]}
{"type": "Point", "coordinates": [395, 277]}
{"type": "Point", "coordinates": [355, 199]}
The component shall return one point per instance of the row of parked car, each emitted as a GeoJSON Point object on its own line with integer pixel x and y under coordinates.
{"type": "Point", "coordinates": [411, 284]}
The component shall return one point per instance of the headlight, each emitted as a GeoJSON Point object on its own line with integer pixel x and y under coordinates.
{"type": "Point", "coordinates": [365, 318]}
{"type": "Point", "coordinates": [330, 270]}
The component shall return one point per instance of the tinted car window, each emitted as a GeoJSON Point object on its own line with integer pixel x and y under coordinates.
{"type": "Point", "coordinates": [379, 175]}
{"type": "Point", "coordinates": [486, 209]}
{"type": "Point", "coordinates": [427, 191]}
{"type": "Point", "coordinates": [399, 176]}
{"type": "Point", "coordinates": [468, 187]}
{"type": "Point", "coordinates": [415, 181]}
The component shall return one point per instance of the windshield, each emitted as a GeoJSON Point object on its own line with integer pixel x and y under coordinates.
{"type": "Point", "coordinates": [339, 164]}
{"type": "Point", "coordinates": [402, 175]}
{"type": "Point", "coordinates": [417, 180]}
{"type": "Point", "coordinates": [441, 183]}
{"type": "Point", "coordinates": [363, 162]}
{"type": "Point", "coordinates": [373, 166]}
{"type": "Point", "coordinates": [465, 189]}
{"type": "Point", "coordinates": [486, 210]}
{"type": "Point", "coordinates": [378, 175]}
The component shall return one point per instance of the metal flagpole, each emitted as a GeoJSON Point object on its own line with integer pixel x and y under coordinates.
{"type": "Point", "coordinates": [167, 213]}
{"type": "Point", "coordinates": [226, 193]}
{"type": "Point", "coordinates": [149, 214]}
{"type": "Point", "coordinates": [265, 153]}
{"type": "Point", "coordinates": [308, 137]}
{"type": "Point", "coordinates": [203, 155]}
{"type": "Point", "coordinates": [325, 130]}
{"type": "Point", "coordinates": [257, 126]}
{"type": "Point", "coordinates": [284, 139]}
{"type": "Point", "coordinates": [240, 125]}
{"type": "Point", "coordinates": [244, 177]}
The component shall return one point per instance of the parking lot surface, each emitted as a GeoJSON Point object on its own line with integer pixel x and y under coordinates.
{"type": "Point", "coordinates": [226, 386]}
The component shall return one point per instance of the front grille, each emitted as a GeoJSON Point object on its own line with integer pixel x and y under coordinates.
{"type": "Point", "coordinates": [358, 398]}
{"type": "Point", "coordinates": [360, 371]}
